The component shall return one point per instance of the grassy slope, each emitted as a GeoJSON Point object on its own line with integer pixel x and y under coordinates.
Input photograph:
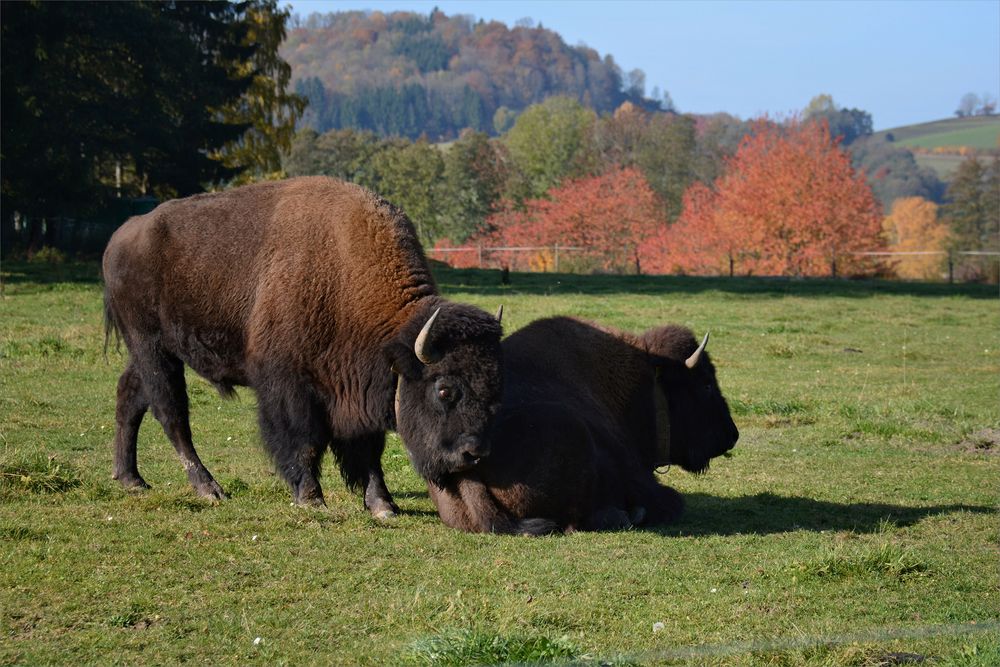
{"type": "Point", "coordinates": [981, 133]}
{"type": "Point", "coordinates": [857, 507]}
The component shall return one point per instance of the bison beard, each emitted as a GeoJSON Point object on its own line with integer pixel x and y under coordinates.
{"type": "Point", "coordinates": [588, 414]}
{"type": "Point", "coordinates": [309, 291]}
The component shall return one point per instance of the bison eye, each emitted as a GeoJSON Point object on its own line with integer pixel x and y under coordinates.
{"type": "Point", "coordinates": [446, 392]}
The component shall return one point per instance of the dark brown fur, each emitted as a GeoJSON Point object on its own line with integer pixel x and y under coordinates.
{"type": "Point", "coordinates": [307, 290]}
{"type": "Point", "coordinates": [578, 436]}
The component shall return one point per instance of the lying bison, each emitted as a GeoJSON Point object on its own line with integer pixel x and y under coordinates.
{"type": "Point", "coordinates": [310, 291]}
{"type": "Point", "coordinates": [587, 416]}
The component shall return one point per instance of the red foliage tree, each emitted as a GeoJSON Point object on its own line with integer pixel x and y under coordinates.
{"type": "Point", "coordinates": [788, 203]}
{"type": "Point", "coordinates": [609, 217]}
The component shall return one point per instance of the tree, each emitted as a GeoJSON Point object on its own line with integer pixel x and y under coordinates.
{"type": "Point", "coordinates": [972, 214]}
{"type": "Point", "coordinates": [967, 105]}
{"type": "Point", "coordinates": [609, 216]}
{"type": "Point", "coordinates": [134, 90]}
{"type": "Point", "coordinates": [789, 203]}
{"type": "Point", "coordinates": [473, 180]}
{"type": "Point", "coordinates": [408, 176]}
{"type": "Point", "coordinates": [893, 171]}
{"type": "Point", "coordinates": [914, 226]}
{"type": "Point", "coordinates": [268, 108]}
{"type": "Point", "coordinates": [845, 124]}
{"type": "Point", "coordinates": [549, 142]}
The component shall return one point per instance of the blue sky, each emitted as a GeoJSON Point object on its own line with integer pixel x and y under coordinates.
{"type": "Point", "coordinates": [903, 62]}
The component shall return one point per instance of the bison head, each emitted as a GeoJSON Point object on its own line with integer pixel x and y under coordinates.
{"type": "Point", "coordinates": [701, 427]}
{"type": "Point", "coordinates": [448, 388]}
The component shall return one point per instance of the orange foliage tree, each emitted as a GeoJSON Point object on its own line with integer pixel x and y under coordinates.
{"type": "Point", "coordinates": [609, 217]}
{"type": "Point", "coordinates": [788, 203]}
{"type": "Point", "coordinates": [914, 226]}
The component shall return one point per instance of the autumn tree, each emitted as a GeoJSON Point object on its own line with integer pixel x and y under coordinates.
{"type": "Point", "coordinates": [608, 216]}
{"type": "Point", "coordinates": [913, 226]}
{"type": "Point", "coordinates": [789, 203]}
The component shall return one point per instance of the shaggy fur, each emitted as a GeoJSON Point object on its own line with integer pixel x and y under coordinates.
{"type": "Point", "coordinates": [299, 289]}
{"type": "Point", "coordinates": [586, 418]}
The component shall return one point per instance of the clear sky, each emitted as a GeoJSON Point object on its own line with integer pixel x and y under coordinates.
{"type": "Point", "coordinates": [902, 61]}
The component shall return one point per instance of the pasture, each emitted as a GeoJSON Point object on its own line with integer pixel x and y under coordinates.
{"type": "Point", "coordinates": [855, 522]}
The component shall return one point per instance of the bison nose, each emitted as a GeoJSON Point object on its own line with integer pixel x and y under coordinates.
{"type": "Point", "coordinates": [473, 448]}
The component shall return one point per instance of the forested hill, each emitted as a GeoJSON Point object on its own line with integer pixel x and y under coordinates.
{"type": "Point", "coordinates": [409, 74]}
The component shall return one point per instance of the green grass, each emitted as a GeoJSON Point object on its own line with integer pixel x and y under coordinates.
{"type": "Point", "coordinates": [855, 521]}
{"type": "Point", "coordinates": [979, 133]}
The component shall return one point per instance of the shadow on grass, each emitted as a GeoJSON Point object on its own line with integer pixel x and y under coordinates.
{"type": "Point", "coordinates": [486, 282]}
{"type": "Point", "coordinates": [19, 273]}
{"type": "Point", "coordinates": [767, 513]}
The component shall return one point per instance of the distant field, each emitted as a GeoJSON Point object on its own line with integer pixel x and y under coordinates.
{"type": "Point", "coordinates": [980, 133]}
{"type": "Point", "coordinates": [944, 164]}
{"type": "Point", "coordinates": [856, 521]}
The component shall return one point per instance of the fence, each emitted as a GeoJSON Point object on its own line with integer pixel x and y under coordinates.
{"type": "Point", "coordinates": [536, 258]}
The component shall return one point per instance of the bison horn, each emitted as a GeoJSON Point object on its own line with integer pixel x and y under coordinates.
{"type": "Point", "coordinates": [693, 360]}
{"type": "Point", "coordinates": [422, 347]}
{"type": "Point", "coordinates": [500, 314]}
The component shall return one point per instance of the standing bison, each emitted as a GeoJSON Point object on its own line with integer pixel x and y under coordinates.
{"type": "Point", "coordinates": [312, 292]}
{"type": "Point", "coordinates": [587, 415]}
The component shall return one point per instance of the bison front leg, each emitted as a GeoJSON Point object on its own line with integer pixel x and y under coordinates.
{"type": "Point", "coordinates": [360, 462]}
{"type": "Point", "coordinates": [295, 435]}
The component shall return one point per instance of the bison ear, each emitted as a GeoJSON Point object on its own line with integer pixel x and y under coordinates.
{"type": "Point", "coordinates": [402, 360]}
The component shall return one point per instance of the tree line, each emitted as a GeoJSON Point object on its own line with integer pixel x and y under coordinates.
{"type": "Point", "coordinates": [411, 75]}
{"type": "Point", "coordinates": [635, 186]}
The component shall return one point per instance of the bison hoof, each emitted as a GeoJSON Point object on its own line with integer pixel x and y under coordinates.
{"type": "Point", "coordinates": [211, 491]}
{"type": "Point", "coordinates": [132, 482]}
{"type": "Point", "coordinates": [385, 515]}
{"type": "Point", "coordinates": [310, 501]}
{"type": "Point", "coordinates": [637, 515]}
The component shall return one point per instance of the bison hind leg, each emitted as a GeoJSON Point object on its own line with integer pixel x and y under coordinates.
{"type": "Point", "coordinates": [130, 409]}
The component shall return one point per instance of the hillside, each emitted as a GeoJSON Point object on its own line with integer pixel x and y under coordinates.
{"type": "Point", "coordinates": [408, 74]}
{"type": "Point", "coordinates": [942, 145]}
{"type": "Point", "coordinates": [976, 133]}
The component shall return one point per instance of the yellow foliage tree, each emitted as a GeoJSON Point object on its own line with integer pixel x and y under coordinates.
{"type": "Point", "coordinates": [914, 226]}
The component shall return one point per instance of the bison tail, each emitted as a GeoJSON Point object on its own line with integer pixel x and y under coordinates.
{"type": "Point", "coordinates": [110, 326]}
{"type": "Point", "coordinates": [535, 527]}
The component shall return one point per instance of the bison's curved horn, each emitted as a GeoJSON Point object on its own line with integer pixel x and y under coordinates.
{"type": "Point", "coordinates": [500, 313]}
{"type": "Point", "coordinates": [693, 360]}
{"type": "Point", "coordinates": [422, 347]}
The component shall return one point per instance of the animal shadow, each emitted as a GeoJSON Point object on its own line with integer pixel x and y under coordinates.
{"type": "Point", "coordinates": [767, 513]}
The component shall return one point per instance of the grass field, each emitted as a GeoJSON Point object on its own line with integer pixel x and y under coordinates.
{"type": "Point", "coordinates": [855, 524]}
{"type": "Point", "coordinates": [979, 132]}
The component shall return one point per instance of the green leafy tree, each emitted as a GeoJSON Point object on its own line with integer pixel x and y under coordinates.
{"type": "Point", "coordinates": [973, 213]}
{"type": "Point", "coordinates": [105, 99]}
{"type": "Point", "coordinates": [268, 107]}
{"type": "Point", "coordinates": [549, 142]}
{"type": "Point", "coordinates": [409, 176]}
{"type": "Point", "coordinates": [847, 124]}
{"type": "Point", "coordinates": [667, 159]}
{"type": "Point", "coordinates": [472, 183]}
